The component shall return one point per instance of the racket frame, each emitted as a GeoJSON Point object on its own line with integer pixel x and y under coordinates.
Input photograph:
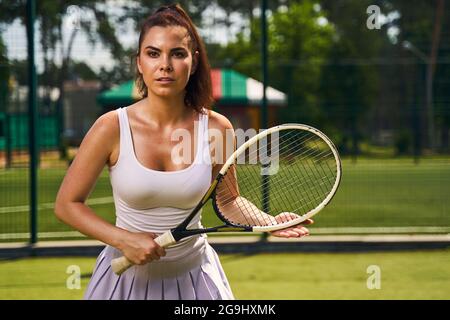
{"type": "Point", "coordinates": [181, 231]}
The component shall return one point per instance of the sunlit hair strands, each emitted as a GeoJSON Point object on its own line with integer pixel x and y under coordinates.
{"type": "Point", "coordinates": [199, 87]}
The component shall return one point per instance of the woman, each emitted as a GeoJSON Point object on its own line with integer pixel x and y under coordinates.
{"type": "Point", "coordinates": [152, 192]}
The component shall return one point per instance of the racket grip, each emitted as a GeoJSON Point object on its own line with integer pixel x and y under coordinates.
{"type": "Point", "coordinates": [165, 240]}
{"type": "Point", "coordinates": [122, 264]}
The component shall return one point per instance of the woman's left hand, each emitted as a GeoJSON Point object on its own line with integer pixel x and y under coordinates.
{"type": "Point", "coordinates": [296, 231]}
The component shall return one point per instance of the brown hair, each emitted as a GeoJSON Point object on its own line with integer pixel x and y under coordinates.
{"type": "Point", "coordinates": [199, 87]}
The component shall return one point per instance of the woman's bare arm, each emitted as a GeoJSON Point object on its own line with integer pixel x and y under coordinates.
{"type": "Point", "coordinates": [70, 207]}
{"type": "Point", "coordinates": [80, 179]}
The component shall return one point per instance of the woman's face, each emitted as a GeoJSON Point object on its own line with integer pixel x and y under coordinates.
{"type": "Point", "coordinates": [165, 60]}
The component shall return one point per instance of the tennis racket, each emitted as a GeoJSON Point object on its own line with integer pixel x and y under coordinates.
{"type": "Point", "coordinates": [277, 179]}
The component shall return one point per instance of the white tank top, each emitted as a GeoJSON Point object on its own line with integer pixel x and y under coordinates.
{"type": "Point", "coordinates": [148, 200]}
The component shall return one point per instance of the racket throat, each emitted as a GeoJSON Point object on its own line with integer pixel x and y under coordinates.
{"type": "Point", "coordinates": [197, 208]}
{"type": "Point", "coordinates": [179, 234]}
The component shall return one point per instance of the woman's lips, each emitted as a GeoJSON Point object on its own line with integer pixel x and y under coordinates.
{"type": "Point", "coordinates": [165, 80]}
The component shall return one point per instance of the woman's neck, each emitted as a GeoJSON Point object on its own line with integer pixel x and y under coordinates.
{"type": "Point", "coordinates": [165, 111]}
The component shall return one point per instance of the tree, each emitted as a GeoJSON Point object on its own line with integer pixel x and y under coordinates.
{"type": "Point", "coordinates": [424, 25]}
{"type": "Point", "coordinates": [50, 17]}
{"type": "Point", "coordinates": [299, 40]}
{"type": "Point", "coordinates": [350, 79]}
{"type": "Point", "coordinates": [298, 44]}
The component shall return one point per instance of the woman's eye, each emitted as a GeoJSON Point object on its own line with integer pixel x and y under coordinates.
{"type": "Point", "coordinates": [179, 54]}
{"type": "Point", "coordinates": [154, 54]}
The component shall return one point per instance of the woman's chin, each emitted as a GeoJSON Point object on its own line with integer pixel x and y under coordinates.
{"type": "Point", "coordinates": [167, 93]}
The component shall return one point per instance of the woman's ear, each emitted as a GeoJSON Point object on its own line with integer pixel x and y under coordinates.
{"type": "Point", "coordinates": [138, 64]}
{"type": "Point", "coordinates": [195, 58]}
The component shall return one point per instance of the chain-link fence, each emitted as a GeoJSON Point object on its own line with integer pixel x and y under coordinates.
{"type": "Point", "coordinates": [364, 89]}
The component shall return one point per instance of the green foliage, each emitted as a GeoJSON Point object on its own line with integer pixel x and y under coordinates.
{"type": "Point", "coordinates": [349, 84]}
{"type": "Point", "coordinates": [83, 71]}
{"type": "Point", "coordinates": [298, 44]}
{"type": "Point", "coordinates": [339, 75]}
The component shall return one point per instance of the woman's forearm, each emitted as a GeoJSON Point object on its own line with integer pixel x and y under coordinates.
{"type": "Point", "coordinates": [82, 218]}
{"type": "Point", "coordinates": [243, 211]}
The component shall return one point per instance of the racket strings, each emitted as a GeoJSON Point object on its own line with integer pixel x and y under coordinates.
{"type": "Point", "coordinates": [282, 191]}
{"type": "Point", "coordinates": [306, 171]}
{"type": "Point", "coordinates": [312, 200]}
{"type": "Point", "coordinates": [250, 216]}
{"type": "Point", "coordinates": [286, 186]}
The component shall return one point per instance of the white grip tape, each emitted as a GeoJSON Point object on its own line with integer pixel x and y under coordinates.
{"type": "Point", "coordinates": [122, 264]}
{"type": "Point", "coordinates": [165, 240]}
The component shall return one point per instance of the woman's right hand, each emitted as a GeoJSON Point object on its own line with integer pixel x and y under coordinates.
{"type": "Point", "coordinates": [141, 248]}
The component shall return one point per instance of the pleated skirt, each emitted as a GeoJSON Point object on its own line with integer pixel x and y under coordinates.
{"type": "Point", "coordinates": [196, 277]}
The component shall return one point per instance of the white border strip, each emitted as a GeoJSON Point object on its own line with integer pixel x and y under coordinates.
{"type": "Point", "coordinates": [41, 235]}
{"type": "Point", "coordinates": [314, 231]}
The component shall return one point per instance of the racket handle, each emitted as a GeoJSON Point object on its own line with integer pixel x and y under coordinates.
{"type": "Point", "coordinates": [165, 240]}
{"type": "Point", "coordinates": [122, 264]}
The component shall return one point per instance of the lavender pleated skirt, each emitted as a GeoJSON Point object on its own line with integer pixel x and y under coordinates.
{"type": "Point", "coordinates": [196, 277]}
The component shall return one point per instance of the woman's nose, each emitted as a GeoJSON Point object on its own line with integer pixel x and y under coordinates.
{"type": "Point", "coordinates": [165, 65]}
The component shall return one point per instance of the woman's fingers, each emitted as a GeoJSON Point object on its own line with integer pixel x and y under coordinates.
{"type": "Point", "coordinates": [292, 232]}
{"type": "Point", "coordinates": [158, 251]}
{"type": "Point", "coordinates": [301, 230]}
{"type": "Point", "coordinates": [308, 221]}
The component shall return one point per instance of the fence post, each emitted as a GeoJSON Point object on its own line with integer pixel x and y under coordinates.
{"type": "Point", "coordinates": [8, 140]}
{"type": "Point", "coordinates": [32, 119]}
{"type": "Point", "coordinates": [264, 120]}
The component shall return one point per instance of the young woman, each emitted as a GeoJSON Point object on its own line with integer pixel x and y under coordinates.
{"type": "Point", "coordinates": [152, 192]}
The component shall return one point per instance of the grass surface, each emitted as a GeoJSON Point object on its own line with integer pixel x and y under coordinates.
{"type": "Point", "coordinates": [373, 193]}
{"type": "Point", "coordinates": [403, 275]}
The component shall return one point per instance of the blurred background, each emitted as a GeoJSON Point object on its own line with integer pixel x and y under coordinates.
{"type": "Point", "coordinates": [372, 75]}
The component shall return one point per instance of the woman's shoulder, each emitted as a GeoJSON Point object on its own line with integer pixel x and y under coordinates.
{"type": "Point", "coordinates": [218, 121]}
{"type": "Point", "coordinates": [106, 126]}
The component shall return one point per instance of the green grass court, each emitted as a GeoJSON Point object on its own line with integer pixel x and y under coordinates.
{"type": "Point", "coordinates": [403, 275]}
{"type": "Point", "coordinates": [373, 193]}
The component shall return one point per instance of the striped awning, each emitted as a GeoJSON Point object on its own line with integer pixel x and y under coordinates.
{"type": "Point", "coordinates": [229, 88]}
